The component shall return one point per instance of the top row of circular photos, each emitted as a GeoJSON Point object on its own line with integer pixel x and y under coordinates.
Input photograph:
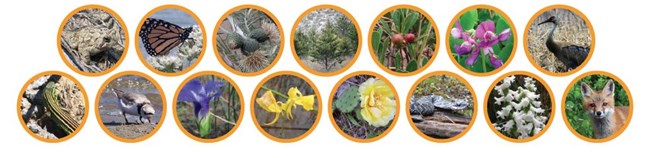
{"type": "Point", "coordinates": [326, 40]}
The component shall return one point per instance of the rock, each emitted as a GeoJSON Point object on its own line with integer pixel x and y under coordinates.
{"type": "Point", "coordinates": [32, 89]}
{"type": "Point", "coordinates": [24, 106]}
{"type": "Point", "coordinates": [40, 131]}
{"type": "Point", "coordinates": [34, 127]}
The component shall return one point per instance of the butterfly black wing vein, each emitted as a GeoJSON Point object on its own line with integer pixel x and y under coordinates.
{"type": "Point", "coordinates": [159, 36]}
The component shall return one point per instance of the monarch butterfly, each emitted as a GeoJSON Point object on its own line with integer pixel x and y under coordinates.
{"type": "Point", "coordinates": [160, 36]}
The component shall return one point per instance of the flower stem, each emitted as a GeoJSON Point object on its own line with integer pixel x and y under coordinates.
{"type": "Point", "coordinates": [484, 65]}
{"type": "Point", "coordinates": [222, 119]}
{"type": "Point", "coordinates": [275, 92]}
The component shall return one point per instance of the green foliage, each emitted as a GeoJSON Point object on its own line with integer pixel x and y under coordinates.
{"type": "Point", "coordinates": [469, 19]}
{"type": "Point", "coordinates": [205, 126]}
{"type": "Point", "coordinates": [577, 115]}
{"type": "Point", "coordinates": [336, 42]}
{"type": "Point", "coordinates": [406, 57]}
{"type": "Point", "coordinates": [348, 100]}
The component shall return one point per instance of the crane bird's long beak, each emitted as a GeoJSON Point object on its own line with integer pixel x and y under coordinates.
{"type": "Point", "coordinates": [551, 19]}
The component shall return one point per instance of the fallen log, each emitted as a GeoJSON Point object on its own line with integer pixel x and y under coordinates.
{"type": "Point", "coordinates": [440, 129]}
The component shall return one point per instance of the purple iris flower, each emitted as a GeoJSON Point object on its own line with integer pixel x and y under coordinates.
{"type": "Point", "coordinates": [200, 95]}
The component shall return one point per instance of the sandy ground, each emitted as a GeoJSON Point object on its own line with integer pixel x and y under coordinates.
{"type": "Point", "coordinates": [572, 28]}
{"type": "Point", "coordinates": [114, 122]}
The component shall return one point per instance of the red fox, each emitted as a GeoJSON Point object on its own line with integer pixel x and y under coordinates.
{"type": "Point", "coordinates": [606, 118]}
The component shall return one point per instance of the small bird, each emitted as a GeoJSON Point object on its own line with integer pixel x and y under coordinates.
{"type": "Point", "coordinates": [134, 104]}
{"type": "Point", "coordinates": [569, 54]}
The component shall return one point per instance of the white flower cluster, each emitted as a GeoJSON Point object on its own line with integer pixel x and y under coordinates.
{"type": "Point", "coordinates": [521, 108]}
{"type": "Point", "coordinates": [188, 53]}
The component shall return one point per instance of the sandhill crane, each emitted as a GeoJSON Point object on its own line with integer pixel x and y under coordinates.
{"type": "Point", "coordinates": [569, 54]}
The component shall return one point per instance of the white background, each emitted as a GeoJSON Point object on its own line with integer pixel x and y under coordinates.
{"type": "Point", "coordinates": [29, 47]}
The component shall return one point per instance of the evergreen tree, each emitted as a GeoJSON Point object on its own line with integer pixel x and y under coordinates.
{"type": "Point", "coordinates": [329, 49]}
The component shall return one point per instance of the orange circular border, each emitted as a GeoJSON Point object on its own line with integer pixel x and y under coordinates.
{"type": "Point", "coordinates": [331, 114]}
{"type": "Point", "coordinates": [269, 14]}
{"type": "Point", "coordinates": [83, 119]}
{"type": "Point", "coordinates": [435, 30]}
{"type": "Point", "coordinates": [575, 11]}
{"type": "Point", "coordinates": [548, 123]}
{"type": "Point", "coordinates": [514, 40]}
{"type": "Point", "coordinates": [208, 73]}
{"type": "Point", "coordinates": [438, 73]}
{"type": "Point", "coordinates": [340, 10]}
{"type": "Point", "coordinates": [107, 10]}
{"type": "Point", "coordinates": [304, 78]}
{"type": "Point", "coordinates": [162, 115]}
{"type": "Point", "coordinates": [629, 116]}
{"type": "Point", "coordinates": [137, 38]}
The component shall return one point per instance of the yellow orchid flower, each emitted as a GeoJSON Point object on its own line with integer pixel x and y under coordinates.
{"type": "Point", "coordinates": [269, 104]}
{"type": "Point", "coordinates": [377, 102]}
{"type": "Point", "coordinates": [307, 102]}
{"type": "Point", "coordinates": [295, 97]}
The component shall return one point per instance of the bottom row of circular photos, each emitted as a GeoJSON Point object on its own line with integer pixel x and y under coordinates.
{"type": "Point", "coordinates": [287, 106]}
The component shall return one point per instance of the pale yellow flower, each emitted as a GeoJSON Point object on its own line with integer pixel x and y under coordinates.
{"type": "Point", "coordinates": [377, 102]}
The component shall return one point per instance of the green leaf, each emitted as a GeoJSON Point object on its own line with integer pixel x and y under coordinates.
{"type": "Point", "coordinates": [501, 25]}
{"type": "Point", "coordinates": [348, 100]}
{"type": "Point", "coordinates": [376, 39]}
{"type": "Point", "coordinates": [410, 21]}
{"type": "Point", "coordinates": [569, 104]}
{"type": "Point", "coordinates": [396, 16]}
{"type": "Point", "coordinates": [398, 61]}
{"type": "Point", "coordinates": [352, 120]}
{"type": "Point", "coordinates": [412, 51]}
{"type": "Point", "coordinates": [468, 20]}
{"type": "Point", "coordinates": [412, 66]}
{"type": "Point", "coordinates": [382, 51]}
{"type": "Point", "coordinates": [357, 113]}
{"type": "Point", "coordinates": [425, 61]}
{"type": "Point", "coordinates": [484, 14]}
{"type": "Point", "coordinates": [478, 66]}
{"type": "Point", "coordinates": [505, 53]}
{"type": "Point", "coordinates": [205, 126]}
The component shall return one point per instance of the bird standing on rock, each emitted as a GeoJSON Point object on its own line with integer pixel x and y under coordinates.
{"type": "Point", "coordinates": [569, 54]}
{"type": "Point", "coordinates": [134, 104]}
